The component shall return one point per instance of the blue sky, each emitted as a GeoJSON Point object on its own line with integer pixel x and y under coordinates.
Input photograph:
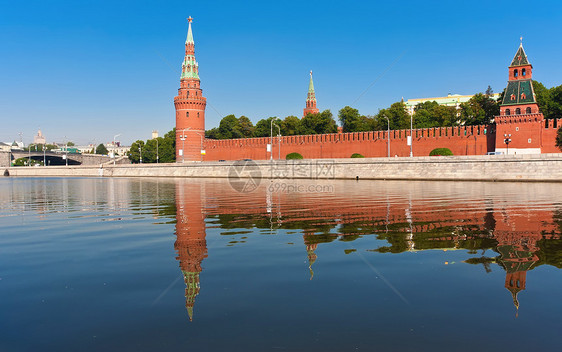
{"type": "Point", "coordinates": [87, 70]}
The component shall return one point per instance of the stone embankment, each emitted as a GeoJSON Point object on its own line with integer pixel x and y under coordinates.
{"type": "Point", "coordinates": [543, 167]}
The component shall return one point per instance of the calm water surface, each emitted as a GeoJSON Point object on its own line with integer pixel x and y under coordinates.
{"type": "Point", "coordinates": [161, 264]}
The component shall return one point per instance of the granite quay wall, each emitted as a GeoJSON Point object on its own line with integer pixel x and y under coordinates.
{"type": "Point", "coordinates": [5, 158]}
{"type": "Point", "coordinates": [461, 140]}
{"type": "Point", "coordinates": [541, 167]}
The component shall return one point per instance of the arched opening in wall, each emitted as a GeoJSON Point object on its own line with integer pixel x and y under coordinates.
{"type": "Point", "coordinates": [507, 112]}
{"type": "Point", "coordinates": [515, 73]}
{"type": "Point", "coordinates": [555, 124]}
{"type": "Point", "coordinates": [523, 72]}
{"type": "Point", "coordinates": [528, 110]}
{"type": "Point", "coordinates": [518, 111]}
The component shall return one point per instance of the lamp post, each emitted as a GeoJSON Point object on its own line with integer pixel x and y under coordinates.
{"type": "Point", "coordinates": [140, 154]}
{"type": "Point", "coordinates": [271, 141]}
{"type": "Point", "coordinates": [278, 141]}
{"type": "Point", "coordinates": [507, 140]}
{"type": "Point", "coordinates": [411, 137]}
{"type": "Point", "coordinates": [156, 150]}
{"type": "Point", "coordinates": [44, 155]}
{"type": "Point", "coordinates": [117, 135]}
{"type": "Point", "coordinates": [388, 135]}
{"type": "Point", "coordinates": [182, 138]}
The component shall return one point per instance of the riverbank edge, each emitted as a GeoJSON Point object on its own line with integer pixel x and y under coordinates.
{"type": "Point", "coordinates": [521, 168]}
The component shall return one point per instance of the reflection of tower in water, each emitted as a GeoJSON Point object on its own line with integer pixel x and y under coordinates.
{"type": "Point", "coordinates": [190, 244]}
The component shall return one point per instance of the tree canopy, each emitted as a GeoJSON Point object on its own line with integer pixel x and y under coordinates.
{"type": "Point", "coordinates": [101, 149]}
{"type": "Point", "coordinates": [161, 149]}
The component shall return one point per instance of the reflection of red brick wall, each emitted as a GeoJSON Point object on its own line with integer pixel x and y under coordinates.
{"type": "Point", "coordinates": [465, 140]}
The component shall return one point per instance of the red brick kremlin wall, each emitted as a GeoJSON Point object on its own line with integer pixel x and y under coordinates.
{"type": "Point", "coordinates": [465, 140]}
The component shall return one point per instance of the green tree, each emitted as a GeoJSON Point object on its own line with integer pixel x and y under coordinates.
{"type": "Point", "coordinates": [101, 149]}
{"type": "Point", "coordinates": [555, 109]}
{"type": "Point", "coordinates": [542, 94]}
{"type": "Point", "coordinates": [135, 151]}
{"type": "Point", "coordinates": [349, 119]}
{"type": "Point", "coordinates": [431, 114]}
{"type": "Point", "coordinates": [479, 110]}
{"type": "Point", "coordinates": [290, 126]}
{"type": "Point", "coordinates": [245, 127]}
{"type": "Point", "coordinates": [263, 127]}
{"type": "Point", "coordinates": [167, 147]}
{"type": "Point", "coordinates": [70, 144]}
{"type": "Point", "coordinates": [397, 114]}
{"type": "Point", "coordinates": [318, 123]}
{"type": "Point", "coordinates": [229, 128]}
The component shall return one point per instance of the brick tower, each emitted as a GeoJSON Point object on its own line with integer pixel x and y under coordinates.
{"type": "Point", "coordinates": [310, 99]}
{"type": "Point", "coordinates": [518, 128]}
{"type": "Point", "coordinates": [190, 107]}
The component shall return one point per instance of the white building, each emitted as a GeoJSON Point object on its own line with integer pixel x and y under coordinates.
{"type": "Point", "coordinates": [450, 100]}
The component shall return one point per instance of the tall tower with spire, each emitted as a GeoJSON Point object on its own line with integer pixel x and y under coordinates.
{"type": "Point", "coordinates": [518, 128]}
{"type": "Point", "coordinates": [310, 99]}
{"type": "Point", "coordinates": [190, 107]}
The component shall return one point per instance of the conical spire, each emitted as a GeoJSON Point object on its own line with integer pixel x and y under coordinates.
{"type": "Point", "coordinates": [190, 67]}
{"type": "Point", "coordinates": [520, 58]}
{"type": "Point", "coordinates": [189, 39]}
{"type": "Point", "coordinates": [311, 85]}
{"type": "Point", "coordinates": [310, 99]}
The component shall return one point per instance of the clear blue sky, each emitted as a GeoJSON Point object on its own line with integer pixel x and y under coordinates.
{"type": "Point", "coordinates": [89, 70]}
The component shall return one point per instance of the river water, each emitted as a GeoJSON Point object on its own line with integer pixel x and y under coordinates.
{"type": "Point", "coordinates": [102, 264]}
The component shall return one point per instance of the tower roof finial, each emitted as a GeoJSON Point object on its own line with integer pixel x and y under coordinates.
{"type": "Point", "coordinates": [189, 39]}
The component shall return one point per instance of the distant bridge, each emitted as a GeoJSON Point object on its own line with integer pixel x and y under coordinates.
{"type": "Point", "coordinates": [52, 158]}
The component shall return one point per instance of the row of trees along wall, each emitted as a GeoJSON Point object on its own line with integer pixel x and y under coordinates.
{"type": "Point", "coordinates": [461, 140]}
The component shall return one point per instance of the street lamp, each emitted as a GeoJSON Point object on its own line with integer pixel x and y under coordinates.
{"type": "Point", "coordinates": [182, 138]}
{"type": "Point", "coordinates": [507, 140]}
{"type": "Point", "coordinates": [278, 140]}
{"type": "Point", "coordinates": [388, 135]}
{"type": "Point", "coordinates": [411, 137]}
{"type": "Point", "coordinates": [140, 154]}
{"type": "Point", "coordinates": [156, 150]}
{"type": "Point", "coordinates": [271, 141]}
{"type": "Point", "coordinates": [117, 135]}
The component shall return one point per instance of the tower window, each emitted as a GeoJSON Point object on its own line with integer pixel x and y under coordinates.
{"type": "Point", "coordinates": [187, 114]}
{"type": "Point", "coordinates": [518, 111]}
{"type": "Point", "coordinates": [515, 73]}
{"type": "Point", "coordinates": [523, 72]}
{"type": "Point", "coordinates": [507, 112]}
{"type": "Point", "coordinates": [528, 110]}
{"type": "Point", "coordinates": [523, 96]}
{"type": "Point", "coordinates": [512, 97]}
{"type": "Point", "coordinates": [197, 114]}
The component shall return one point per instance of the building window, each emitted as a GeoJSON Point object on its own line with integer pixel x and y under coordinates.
{"type": "Point", "coordinates": [528, 110]}
{"type": "Point", "coordinates": [518, 111]}
{"type": "Point", "coordinates": [507, 112]}
{"type": "Point", "coordinates": [516, 128]}
{"type": "Point", "coordinates": [187, 114]}
{"type": "Point", "coordinates": [197, 114]}
{"type": "Point", "coordinates": [523, 72]}
{"type": "Point", "coordinates": [529, 140]}
{"type": "Point", "coordinates": [523, 96]}
{"type": "Point", "coordinates": [512, 97]}
{"type": "Point", "coordinates": [515, 73]}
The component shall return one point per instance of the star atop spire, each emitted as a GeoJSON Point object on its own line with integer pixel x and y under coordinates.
{"type": "Point", "coordinates": [189, 39]}
{"type": "Point", "coordinates": [311, 84]}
